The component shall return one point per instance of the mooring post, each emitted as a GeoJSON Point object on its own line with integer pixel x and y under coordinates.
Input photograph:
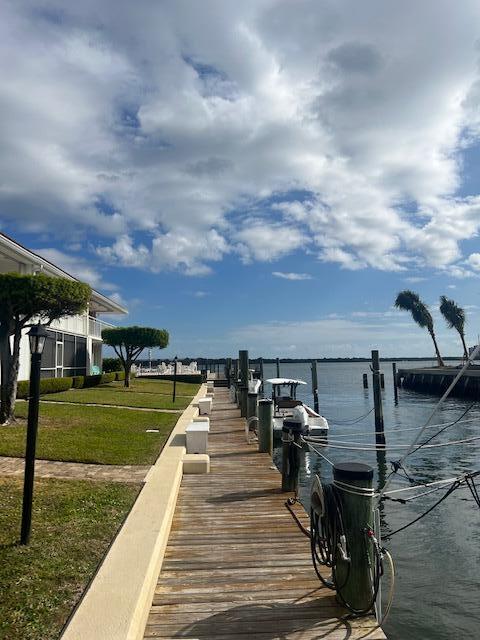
{"type": "Point", "coordinates": [243, 382]}
{"type": "Point", "coordinates": [261, 375]}
{"type": "Point", "coordinates": [265, 426]}
{"type": "Point", "coordinates": [291, 448]}
{"type": "Point", "coordinates": [357, 514]}
{"type": "Point", "coordinates": [252, 403]}
{"type": "Point", "coordinates": [395, 381]}
{"type": "Point", "coordinates": [377, 399]}
{"type": "Point", "coordinates": [278, 367]}
{"type": "Point", "coordinates": [382, 380]}
{"type": "Point", "coordinates": [314, 385]}
{"type": "Point", "coordinates": [365, 380]}
{"type": "Point", "coordinates": [228, 371]}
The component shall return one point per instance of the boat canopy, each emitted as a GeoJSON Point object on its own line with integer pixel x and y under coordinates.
{"type": "Point", "coordinates": [284, 381]}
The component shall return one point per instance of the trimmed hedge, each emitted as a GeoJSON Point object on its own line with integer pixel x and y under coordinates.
{"type": "Point", "coordinates": [78, 382]}
{"type": "Point", "coordinates": [111, 364]}
{"type": "Point", "coordinates": [108, 377]}
{"type": "Point", "coordinates": [92, 381]}
{"type": "Point", "coordinates": [47, 385]}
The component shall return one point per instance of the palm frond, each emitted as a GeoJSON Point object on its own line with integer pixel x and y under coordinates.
{"type": "Point", "coordinates": [453, 314]}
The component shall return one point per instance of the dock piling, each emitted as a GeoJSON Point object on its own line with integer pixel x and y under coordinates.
{"type": "Point", "coordinates": [357, 509]}
{"type": "Point", "coordinates": [315, 385]}
{"type": "Point", "coordinates": [291, 448]}
{"type": "Point", "coordinates": [365, 380]}
{"type": "Point", "coordinates": [243, 382]}
{"type": "Point", "coordinates": [395, 381]}
{"type": "Point", "coordinates": [261, 375]}
{"type": "Point", "coordinates": [377, 398]}
{"type": "Point", "coordinates": [278, 367]}
{"type": "Point", "coordinates": [265, 426]}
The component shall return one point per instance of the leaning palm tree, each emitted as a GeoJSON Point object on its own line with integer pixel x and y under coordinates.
{"type": "Point", "coordinates": [410, 301]}
{"type": "Point", "coordinates": [455, 318]}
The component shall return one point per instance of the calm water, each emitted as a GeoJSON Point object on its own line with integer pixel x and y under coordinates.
{"type": "Point", "coordinates": [437, 560]}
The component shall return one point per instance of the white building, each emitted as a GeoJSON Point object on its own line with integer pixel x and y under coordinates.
{"type": "Point", "coordinates": [74, 344]}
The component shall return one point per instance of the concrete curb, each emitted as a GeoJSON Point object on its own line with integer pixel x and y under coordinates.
{"type": "Point", "coordinates": [117, 604]}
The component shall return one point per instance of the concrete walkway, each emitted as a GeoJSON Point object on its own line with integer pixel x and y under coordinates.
{"type": "Point", "coordinates": [76, 470]}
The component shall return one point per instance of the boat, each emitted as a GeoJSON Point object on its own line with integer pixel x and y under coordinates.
{"type": "Point", "coordinates": [288, 407]}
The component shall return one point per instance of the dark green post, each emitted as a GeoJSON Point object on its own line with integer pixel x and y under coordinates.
{"type": "Point", "coordinates": [265, 426]}
{"type": "Point", "coordinates": [243, 382]}
{"type": "Point", "coordinates": [357, 513]}
{"type": "Point", "coordinates": [395, 381]}
{"type": "Point", "coordinates": [365, 381]}
{"type": "Point", "coordinates": [291, 448]}
{"type": "Point", "coordinates": [377, 399]}
{"type": "Point", "coordinates": [252, 403]}
{"type": "Point", "coordinates": [228, 371]}
{"type": "Point", "coordinates": [261, 375]}
{"type": "Point", "coordinates": [278, 367]}
{"type": "Point", "coordinates": [315, 385]}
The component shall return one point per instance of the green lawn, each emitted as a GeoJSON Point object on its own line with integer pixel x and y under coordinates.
{"type": "Point", "coordinates": [91, 434]}
{"type": "Point", "coordinates": [73, 525]}
{"type": "Point", "coordinates": [148, 394]}
{"type": "Point", "coordinates": [160, 386]}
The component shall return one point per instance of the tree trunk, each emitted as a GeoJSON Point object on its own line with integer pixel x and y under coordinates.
{"type": "Point", "coordinates": [9, 382]}
{"type": "Point", "coordinates": [439, 357]}
{"type": "Point", "coordinates": [5, 370]}
{"type": "Point", "coordinates": [128, 366]}
{"type": "Point", "coordinates": [465, 350]}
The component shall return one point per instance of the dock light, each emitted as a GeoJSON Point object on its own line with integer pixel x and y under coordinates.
{"type": "Point", "coordinates": [37, 336]}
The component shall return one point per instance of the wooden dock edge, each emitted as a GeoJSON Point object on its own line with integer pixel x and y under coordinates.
{"type": "Point", "coordinates": [117, 603]}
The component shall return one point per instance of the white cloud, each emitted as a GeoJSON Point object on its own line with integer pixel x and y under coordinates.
{"type": "Point", "coordinates": [178, 120]}
{"type": "Point", "coordinates": [474, 261]}
{"type": "Point", "coordinates": [291, 276]}
{"type": "Point", "coordinates": [78, 267]}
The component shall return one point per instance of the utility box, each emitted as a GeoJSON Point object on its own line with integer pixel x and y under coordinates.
{"type": "Point", "coordinates": [197, 437]}
{"type": "Point", "coordinates": [204, 406]}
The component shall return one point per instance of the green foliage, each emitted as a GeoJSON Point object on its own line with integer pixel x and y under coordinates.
{"type": "Point", "coordinates": [112, 364]}
{"type": "Point", "coordinates": [108, 377]}
{"type": "Point", "coordinates": [47, 385]}
{"type": "Point", "coordinates": [40, 296]}
{"type": "Point", "coordinates": [410, 301]}
{"type": "Point", "coordinates": [92, 381]}
{"type": "Point", "coordinates": [78, 382]}
{"type": "Point", "coordinates": [120, 376]}
{"type": "Point", "coordinates": [455, 318]}
{"type": "Point", "coordinates": [135, 337]}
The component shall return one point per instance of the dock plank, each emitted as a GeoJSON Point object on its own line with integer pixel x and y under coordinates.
{"type": "Point", "coordinates": [236, 564]}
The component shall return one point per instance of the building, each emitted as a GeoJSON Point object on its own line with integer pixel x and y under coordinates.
{"type": "Point", "coordinates": [74, 344]}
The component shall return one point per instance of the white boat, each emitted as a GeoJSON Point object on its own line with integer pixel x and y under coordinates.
{"type": "Point", "coordinates": [287, 407]}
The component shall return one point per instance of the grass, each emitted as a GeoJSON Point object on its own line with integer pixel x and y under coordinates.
{"type": "Point", "coordinates": [148, 394]}
{"type": "Point", "coordinates": [72, 526]}
{"type": "Point", "coordinates": [90, 434]}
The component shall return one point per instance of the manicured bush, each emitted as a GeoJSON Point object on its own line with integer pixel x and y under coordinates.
{"type": "Point", "coordinates": [47, 385]}
{"type": "Point", "coordinates": [108, 377]}
{"type": "Point", "coordinates": [92, 381]}
{"type": "Point", "coordinates": [112, 364]}
{"type": "Point", "coordinates": [78, 382]}
{"type": "Point", "coordinates": [120, 376]}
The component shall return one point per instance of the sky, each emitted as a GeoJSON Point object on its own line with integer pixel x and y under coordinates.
{"type": "Point", "coordinates": [261, 175]}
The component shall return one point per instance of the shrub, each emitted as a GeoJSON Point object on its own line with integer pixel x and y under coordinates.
{"type": "Point", "coordinates": [108, 377]}
{"type": "Point", "coordinates": [22, 389]}
{"type": "Point", "coordinates": [47, 385]}
{"type": "Point", "coordinates": [92, 381]}
{"type": "Point", "coordinates": [120, 376]}
{"type": "Point", "coordinates": [78, 382]}
{"type": "Point", "coordinates": [112, 364]}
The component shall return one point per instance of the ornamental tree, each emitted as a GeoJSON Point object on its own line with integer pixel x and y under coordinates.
{"type": "Point", "coordinates": [26, 300]}
{"type": "Point", "coordinates": [129, 342]}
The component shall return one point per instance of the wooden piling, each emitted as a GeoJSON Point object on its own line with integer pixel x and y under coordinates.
{"type": "Point", "coordinates": [357, 510]}
{"type": "Point", "coordinates": [252, 405]}
{"type": "Point", "coordinates": [365, 380]}
{"type": "Point", "coordinates": [243, 381]}
{"type": "Point", "coordinates": [382, 380]}
{"type": "Point", "coordinates": [265, 426]}
{"type": "Point", "coordinates": [261, 375]}
{"type": "Point", "coordinates": [291, 448]}
{"type": "Point", "coordinates": [395, 381]}
{"type": "Point", "coordinates": [377, 398]}
{"type": "Point", "coordinates": [278, 367]}
{"type": "Point", "coordinates": [315, 385]}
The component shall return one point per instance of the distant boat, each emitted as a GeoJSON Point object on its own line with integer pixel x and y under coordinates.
{"type": "Point", "coordinates": [287, 407]}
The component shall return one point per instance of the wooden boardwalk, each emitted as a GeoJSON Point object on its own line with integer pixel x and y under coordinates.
{"type": "Point", "coordinates": [236, 565]}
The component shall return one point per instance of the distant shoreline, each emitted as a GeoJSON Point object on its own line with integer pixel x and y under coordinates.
{"type": "Point", "coordinates": [202, 361]}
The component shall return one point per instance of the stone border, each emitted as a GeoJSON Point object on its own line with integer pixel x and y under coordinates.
{"type": "Point", "coordinates": [117, 603]}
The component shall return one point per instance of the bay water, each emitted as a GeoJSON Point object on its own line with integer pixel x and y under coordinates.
{"type": "Point", "coordinates": [437, 559]}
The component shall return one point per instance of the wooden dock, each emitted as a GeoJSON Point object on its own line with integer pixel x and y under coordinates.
{"type": "Point", "coordinates": [436, 380]}
{"type": "Point", "coordinates": [236, 564]}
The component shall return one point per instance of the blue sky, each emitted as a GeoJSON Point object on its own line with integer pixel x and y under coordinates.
{"type": "Point", "coordinates": [263, 175]}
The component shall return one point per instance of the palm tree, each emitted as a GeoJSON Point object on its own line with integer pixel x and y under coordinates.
{"type": "Point", "coordinates": [410, 301]}
{"type": "Point", "coordinates": [455, 318]}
